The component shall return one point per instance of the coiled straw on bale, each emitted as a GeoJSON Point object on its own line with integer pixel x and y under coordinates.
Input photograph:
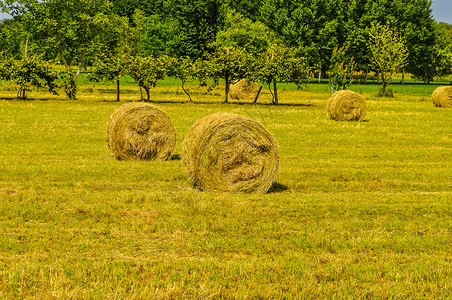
{"type": "Point", "coordinates": [243, 90]}
{"type": "Point", "coordinates": [346, 105]}
{"type": "Point", "coordinates": [231, 153]}
{"type": "Point", "coordinates": [442, 96]}
{"type": "Point", "coordinates": [140, 131]}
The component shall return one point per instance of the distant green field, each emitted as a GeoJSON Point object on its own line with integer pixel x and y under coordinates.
{"type": "Point", "coordinates": [360, 210]}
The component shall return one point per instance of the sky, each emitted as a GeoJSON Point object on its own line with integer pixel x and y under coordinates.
{"type": "Point", "coordinates": [442, 11]}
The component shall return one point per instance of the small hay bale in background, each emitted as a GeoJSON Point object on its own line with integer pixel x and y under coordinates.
{"type": "Point", "coordinates": [442, 96]}
{"type": "Point", "coordinates": [140, 131]}
{"type": "Point", "coordinates": [243, 90]}
{"type": "Point", "coordinates": [231, 153]}
{"type": "Point", "coordinates": [346, 105]}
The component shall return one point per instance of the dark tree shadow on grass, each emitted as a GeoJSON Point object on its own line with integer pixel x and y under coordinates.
{"type": "Point", "coordinates": [277, 188]}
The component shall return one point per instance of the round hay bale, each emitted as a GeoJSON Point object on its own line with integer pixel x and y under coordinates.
{"type": "Point", "coordinates": [244, 89]}
{"type": "Point", "coordinates": [442, 96]}
{"type": "Point", "coordinates": [140, 131]}
{"type": "Point", "coordinates": [346, 105]}
{"type": "Point", "coordinates": [231, 153]}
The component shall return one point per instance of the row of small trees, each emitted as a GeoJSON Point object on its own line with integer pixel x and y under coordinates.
{"type": "Point", "coordinates": [278, 64]}
{"type": "Point", "coordinates": [275, 64]}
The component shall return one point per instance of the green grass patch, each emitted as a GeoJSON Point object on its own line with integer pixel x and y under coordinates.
{"type": "Point", "coordinates": [361, 210]}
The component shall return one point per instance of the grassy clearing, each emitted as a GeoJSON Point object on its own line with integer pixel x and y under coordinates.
{"type": "Point", "coordinates": [361, 210]}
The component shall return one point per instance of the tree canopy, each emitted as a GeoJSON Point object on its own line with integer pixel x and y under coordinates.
{"type": "Point", "coordinates": [74, 31]}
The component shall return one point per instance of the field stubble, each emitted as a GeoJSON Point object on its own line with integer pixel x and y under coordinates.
{"type": "Point", "coordinates": [360, 210]}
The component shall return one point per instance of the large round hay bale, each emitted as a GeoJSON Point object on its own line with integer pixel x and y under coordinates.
{"type": "Point", "coordinates": [346, 105]}
{"type": "Point", "coordinates": [140, 131]}
{"type": "Point", "coordinates": [231, 153]}
{"type": "Point", "coordinates": [244, 89]}
{"type": "Point", "coordinates": [442, 96]}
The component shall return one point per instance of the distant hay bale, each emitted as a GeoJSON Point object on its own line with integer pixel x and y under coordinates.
{"type": "Point", "coordinates": [346, 105]}
{"type": "Point", "coordinates": [244, 89]}
{"type": "Point", "coordinates": [140, 131]}
{"type": "Point", "coordinates": [442, 96]}
{"type": "Point", "coordinates": [231, 153]}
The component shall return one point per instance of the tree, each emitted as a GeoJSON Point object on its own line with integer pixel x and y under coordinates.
{"type": "Point", "coordinates": [146, 71]}
{"type": "Point", "coordinates": [241, 32]}
{"type": "Point", "coordinates": [418, 31]}
{"type": "Point", "coordinates": [6, 65]}
{"type": "Point", "coordinates": [341, 69]}
{"type": "Point", "coordinates": [129, 7]}
{"type": "Point", "coordinates": [443, 50]}
{"type": "Point", "coordinates": [280, 64]}
{"type": "Point", "coordinates": [157, 34]}
{"type": "Point", "coordinates": [230, 65]}
{"type": "Point", "coordinates": [13, 37]}
{"type": "Point", "coordinates": [388, 52]}
{"type": "Point", "coordinates": [109, 67]}
{"type": "Point", "coordinates": [28, 72]}
{"type": "Point", "coordinates": [71, 29]}
{"type": "Point", "coordinates": [185, 69]}
{"type": "Point", "coordinates": [247, 8]}
{"type": "Point", "coordinates": [196, 24]}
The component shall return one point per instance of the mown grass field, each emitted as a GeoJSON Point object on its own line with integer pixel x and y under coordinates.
{"type": "Point", "coordinates": [360, 210]}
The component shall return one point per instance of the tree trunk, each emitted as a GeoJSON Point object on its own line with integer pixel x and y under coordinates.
{"type": "Point", "coordinates": [403, 76]}
{"type": "Point", "coordinates": [226, 88]}
{"type": "Point", "coordinates": [71, 87]}
{"type": "Point", "coordinates": [226, 79]}
{"type": "Point", "coordinates": [378, 77]}
{"type": "Point", "coordinates": [320, 75]}
{"type": "Point", "coordinates": [26, 49]}
{"type": "Point", "coordinates": [275, 89]}
{"type": "Point", "coordinates": [148, 94]}
{"type": "Point", "coordinates": [367, 74]}
{"type": "Point", "coordinates": [385, 84]}
{"type": "Point", "coordinates": [189, 97]}
{"type": "Point", "coordinates": [257, 95]}
{"type": "Point", "coordinates": [117, 90]}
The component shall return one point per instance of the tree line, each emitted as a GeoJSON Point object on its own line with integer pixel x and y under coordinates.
{"type": "Point", "coordinates": [265, 41]}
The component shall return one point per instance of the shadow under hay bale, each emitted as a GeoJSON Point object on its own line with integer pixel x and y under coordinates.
{"type": "Point", "coordinates": [346, 105]}
{"type": "Point", "coordinates": [243, 90]}
{"type": "Point", "coordinates": [442, 96]}
{"type": "Point", "coordinates": [140, 131]}
{"type": "Point", "coordinates": [231, 153]}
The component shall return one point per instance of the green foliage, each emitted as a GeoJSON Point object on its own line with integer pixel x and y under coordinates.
{"type": "Point", "coordinates": [13, 35]}
{"type": "Point", "coordinates": [253, 37]}
{"type": "Point", "coordinates": [73, 29]}
{"type": "Point", "coordinates": [341, 69]}
{"type": "Point", "coordinates": [230, 65]}
{"type": "Point", "coordinates": [147, 71]}
{"type": "Point", "coordinates": [443, 50]}
{"type": "Point", "coordinates": [196, 24]}
{"type": "Point", "coordinates": [280, 64]}
{"type": "Point", "coordinates": [385, 93]}
{"type": "Point", "coordinates": [185, 69]}
{"type": "Point", "coordinates": [157, 36]}
{"type": "Point", "coordinates": [109, 66]}
{"type": "Point", "coordinates": [388, 51]}
{"type": "Point", "coordinates": [7, 64]}
{"type": "Point", "coordinates": [118, 36]}
{"type": "Point", "coordinates": [28, 72]}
